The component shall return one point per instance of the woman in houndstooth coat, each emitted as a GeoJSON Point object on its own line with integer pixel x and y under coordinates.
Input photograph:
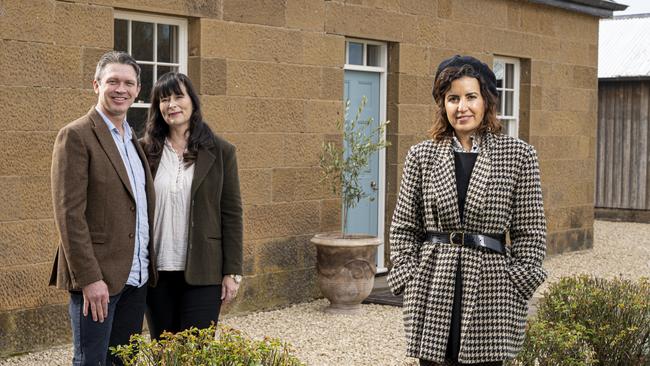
{"type": "Point", "coordinates": [465, 291]}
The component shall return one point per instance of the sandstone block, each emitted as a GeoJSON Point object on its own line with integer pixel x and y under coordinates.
{"type": "Point", "coordinates": [414, 119]}
{"type": "Point", "coordinates": [23, 63]}
{"type": "Point", "coordinates": [256, 188]}
{"type": "Point", "coordinates": [445, 9]}
{"type": "Point", "coordinates": [577, 26]}
{"type": "Point", "coordinates": [212, 79]}
{"type": "Point", "coordinates": [566, 171]}
{"type": "Point", "coordinates": [569, 240]}
{"type": "Point", "coordinates": [331, 84]}
{"type": "Point", "coordinates": [31, 329]}
{"type": "Point", "coordinates": [584, 77]}
{"type": "Point", "coordinates": [430, 32]}
{"type": "Point", "coordinates": [573, 217]}
{"type": "Point", "coordinates": [372, 23]}
{"type": "Point", "coordinates": [281, 219]}
{"type": "Point", "coordinates": [323, 49]}
{"type": "Point", "coordinates": [560, 123]}
{"type": "Point", "coordinates": [330, 219]}
{"type": "Point", "coordinates": [283, 254]}
{"type": "Point", "coordinates": [257, 150]}
{"type": "Point", "coordinates": [415, 89]}
{"type": "Point", "coordinates": [63, 67]}
{"type": "Point", "coordinates": [418, 7]}
{"type": "Point", "coordinates": [26, 153]}
{"type": "Point", "coordinates": [302, 149]}
{"type": "Point", "coordinates": [26, 242]}
{"type": "Point", "coordinates": [260, 79]}
{"type": "Point", "coordinates": [26, 287]}
{"type": "Point", "coordinates": [539, 19]}
{"type": "Point", "coordinates": [89, 58]}
{"type": "Point", "coordinates": [267, 12]}
{"type": "Point", "coordinates": [305, 14]}
{"type": "Point", "coordinates": [514, 15]}
{"type": "Point", "coordinates": [478, 12]}
{"type": "Point", "coordinates": [414, 60]}
{"type": "Point", "coordinates": [24, 109]}
{"type": "Point", "coordinates": [299, 184]}
{"type": "Point", "coordinates": [35, 197]}
{"type": "Point", "coordinates": [560, 147]}
{"type": "Point", "coordinates": [321, 115]}
{"type": "Point", "coordinates": [568, 194]}
{"type": "Point", "coordinates": [73, 104]}
{"type": "Point", "coordinates": [250, 42]}
{"type": "Point", "coordinates": [91, 25]}
{"type": "Point", "coordinates": [27, 20]}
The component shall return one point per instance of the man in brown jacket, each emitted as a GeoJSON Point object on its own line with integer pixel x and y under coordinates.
{"type": "Point", "coordinates": [103, 206]}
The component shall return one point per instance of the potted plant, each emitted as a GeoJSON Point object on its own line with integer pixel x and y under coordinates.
{"type": "Point", "coordinates": [345, 261]}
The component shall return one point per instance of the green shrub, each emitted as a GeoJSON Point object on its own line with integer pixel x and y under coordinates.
{"type": "Point", "coordinates": [201, 347]}
{"type": "Point", "coordinates": [581, 317]}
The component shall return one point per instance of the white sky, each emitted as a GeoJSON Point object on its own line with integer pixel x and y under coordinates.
{"type": "Point", "coordinates": [634, 7]}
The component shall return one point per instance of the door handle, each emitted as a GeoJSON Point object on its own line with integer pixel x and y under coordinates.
{"type": "Point", "coordinates": [373, 186]}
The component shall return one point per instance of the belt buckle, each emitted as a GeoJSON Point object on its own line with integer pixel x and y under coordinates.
{"type": "Point", "coordinates": [455, 235]}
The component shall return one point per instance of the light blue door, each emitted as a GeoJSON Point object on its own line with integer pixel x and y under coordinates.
{"type": "Point", "coordinates": [363, 219]}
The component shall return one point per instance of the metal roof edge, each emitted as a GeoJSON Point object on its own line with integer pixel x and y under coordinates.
{"type": "Point", "coordinates": [614, 79]}
{"type": "Point", "coordinates": [598, 8]}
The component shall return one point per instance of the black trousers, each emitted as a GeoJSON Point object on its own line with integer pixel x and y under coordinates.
{"type": "Point", "coordinates": [174, 305]}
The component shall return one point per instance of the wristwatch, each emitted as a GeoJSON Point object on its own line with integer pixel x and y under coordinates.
{"type": "Point", "coordinates": [237, 278]}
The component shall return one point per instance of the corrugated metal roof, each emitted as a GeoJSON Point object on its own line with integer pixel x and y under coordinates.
{"type": "Point", "coordinates": [624, 47]}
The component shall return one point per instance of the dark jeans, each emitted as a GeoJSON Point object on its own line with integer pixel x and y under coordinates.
{"type": "Point", "coordinates": [452, 363]}
{"type": "Point", "coordinates": [174, 305]}
{"type": "Point", "coordinates": [92, 339]}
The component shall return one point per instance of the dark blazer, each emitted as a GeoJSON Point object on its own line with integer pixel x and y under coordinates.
{"type": "Point", "coordinates": [94, 208]}
{"type": "Point", "coordinates": [504, 195]}
{"type": "Point", "coordinates": [215, 242]}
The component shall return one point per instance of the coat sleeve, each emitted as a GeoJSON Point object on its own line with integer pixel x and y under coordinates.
{"type": "Point", "coordinates": [528, 229]}
{"type": "Point", "coordinates": [407, 230]}
{"type": "Point", "coordinates": [231, 215]}
{"type": "Point", "coordinates": [69, 196]}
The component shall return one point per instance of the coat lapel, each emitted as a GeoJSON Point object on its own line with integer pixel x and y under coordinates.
{"type": "Point", "coordinates": [444, 185]}
{"type": "Point", "coordinates": [204, 161]}
{"type": "Point", "coordinates": [478, 187]}
{"type": "Point", "coordinates": [108, 144]}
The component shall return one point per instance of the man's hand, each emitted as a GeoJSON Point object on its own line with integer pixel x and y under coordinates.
{"type": "Point", "coordinates": [96, 296]}
{"type": "Point", "coordinates": [228, 289]}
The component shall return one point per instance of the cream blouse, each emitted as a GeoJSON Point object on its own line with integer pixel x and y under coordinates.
{"type": "Point", "coordinates": [173, 185]}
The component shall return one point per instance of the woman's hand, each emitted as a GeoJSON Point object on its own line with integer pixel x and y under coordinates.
{"type": "Point", "coordinates": [229, 289]}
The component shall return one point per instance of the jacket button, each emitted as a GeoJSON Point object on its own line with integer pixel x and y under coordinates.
{"type": "Point", "coordinates": [132, 209]}
{"type": "Point", "coordinates": [131, 235]}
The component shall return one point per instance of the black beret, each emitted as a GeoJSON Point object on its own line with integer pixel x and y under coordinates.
{"type": "Point", "coordinates": [479, 67]}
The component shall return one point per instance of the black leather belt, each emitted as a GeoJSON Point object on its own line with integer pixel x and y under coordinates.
{"type": "Point", "coordinates": [495, 243]}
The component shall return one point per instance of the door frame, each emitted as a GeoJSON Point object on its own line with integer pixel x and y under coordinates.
{"type": "Point", "coordinates": [382, 71]}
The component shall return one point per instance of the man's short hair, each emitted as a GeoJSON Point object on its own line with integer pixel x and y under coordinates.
{"type": "Point", "coordinates": [116, 57]}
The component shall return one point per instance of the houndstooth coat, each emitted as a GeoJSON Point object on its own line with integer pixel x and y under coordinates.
{"type": "Point", "coordinates": [504, 195]}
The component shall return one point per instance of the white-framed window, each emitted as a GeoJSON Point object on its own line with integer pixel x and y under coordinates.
{"type": "Point", "coordinates": [508, 73]}
{"type": "Point", "coordinates": [158, 44]}
{"type": "Point", "coordinates": [364, 55]}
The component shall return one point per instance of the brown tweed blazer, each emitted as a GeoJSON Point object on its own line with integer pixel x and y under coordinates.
{"type": "Point", "coordinates": [94, 208]}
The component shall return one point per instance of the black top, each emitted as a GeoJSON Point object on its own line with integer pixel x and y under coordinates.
{"type": "Point", "coordinates": [464, 166]}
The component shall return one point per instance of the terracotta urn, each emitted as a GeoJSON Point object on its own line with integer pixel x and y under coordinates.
{"type": "Point", "coordinates": [346, 269]}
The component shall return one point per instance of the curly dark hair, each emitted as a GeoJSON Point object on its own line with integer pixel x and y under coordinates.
{"type": "Point", "coordinates": [441, 128]}
{"type": "Point", "coordinates": [156, 129]}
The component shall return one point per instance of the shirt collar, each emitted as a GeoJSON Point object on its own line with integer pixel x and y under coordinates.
{"type": "Point", "coordinates": [458, 147]}
{"type": "Point", "coordinates": [111, 126]}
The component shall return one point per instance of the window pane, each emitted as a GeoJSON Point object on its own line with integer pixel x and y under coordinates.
{"type": "Point", "coordinates": [500, 103]}
{"type": "Point", "coordinates": [165, 69]}
{"type": "Point", "coordinates": [510, 98]}
{"type": "Point", "coordinates": [510, 75]}
{"type": "Point", "coordinates": [373, 55]}
{"type": "Point", "coordinates": [355, 53]}
{"type": "Point", "coordinates": [499, 73]}
{"type": "Point", "coordinates": [121, 35]}
{"type": "Point", "coordinates": [167, 43]}
{"type": "Point", "coordinates": [137, 118]}
{"type": "Point", "coordinates": [146, 78]}
{"type": "Point", "coordinates": [142, 41]}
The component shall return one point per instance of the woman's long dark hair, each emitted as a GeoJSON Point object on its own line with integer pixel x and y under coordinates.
{"type": "Point", "coordinates": [156, 129]}
{"type": "Point", "coordinates": [441, 127]}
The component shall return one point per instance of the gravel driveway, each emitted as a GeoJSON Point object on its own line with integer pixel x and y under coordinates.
{"type": "Point", "coordinates": [375, 336]}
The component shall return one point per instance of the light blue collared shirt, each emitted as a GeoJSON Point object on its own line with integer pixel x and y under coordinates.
{"type": "Point", "coordinates": [139, 267]}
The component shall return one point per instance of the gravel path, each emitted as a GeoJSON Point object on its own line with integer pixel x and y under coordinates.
{"type": "Point", "coordinates": [375, 337]}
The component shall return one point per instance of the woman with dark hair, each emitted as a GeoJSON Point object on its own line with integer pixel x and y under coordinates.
{"type": "Point", "coordinates": [198, 217]}
{"type": "Point", "coordinates": [462, 193]}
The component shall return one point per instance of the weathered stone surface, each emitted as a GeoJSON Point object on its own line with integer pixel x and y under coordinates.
{"type": "Point", "coordinates": [330, 219]}
{"type": "Point", "coordinates": [560, 147]}
{"type": "Point", "coordinates": [479, 12]}
{"type": "Point", "coordinates": [331, 83]}
{"type": "Point", "coordinates": [258, 150]}
{"type": "Point", "coordinates": [26, 287]}
{"type": "Point", "coordinates": [282, 254]}
{"type": "Point", "coordinates": [25, 109]}
{"type": "Point", "coordinates": [268, 12]}
{"type": "Point", "coordinates": [564, 171]}
{"type": "Point", "coordinates": [250, 42]}
{"type": "Point", "coordinates": [27, 20]}
{"type": "Point", "coordinates": [256, 186]}
{"type": "Point", "coordinates": [302, 150]}
{"type": "Point", "coordinates": [570, 240]}
{"type": "Point", "coordinates": [414, 119]}
{"type": "Point", "coordinates": [299, 184]}
{"type": "Point", "coordinates": [323, 49]}
{"type": "Point", "coordinates": [538, 19]}
{"type": "Point", "coordinates": [415, 89]}
{"type": "Point", "coordinates": [573, 217]}
{"type": "Point", "coordinates": [89, 58]}
{"type": "Point", "coordinates": [261, 79]}
{"type": "Point", "coordinates": [419, 7]}
{"type": "Point", "coordinates": [75, 104]}
{"type": "Point", "coordinates": [209, 75]}
{"type": "Point", "coordinates": [568, 194]}
{"type": "Point", "coordinates": [32, 329]}
{"type": "Point", "coordinates": [26, 153]}
{"type": "Point", "coordinates": [63, 66]}
{"type": "Point", "coordinates": [26, 242]}
{"type": "Point", "coordinates": [430, 32]}
{"type": "Point", "coordinates": [305, 14]}
{"type": "Point", "coordinates": [243, 114]}
{"type": "Point", "coordinates": [23, 64]}
{"type": "Point", "coordinates": [322, 115]}
{"type": "Point", "coordinates": [281, 219]}
{"type": "Point", "coordinates": [414, 59]}
{"type": "Point", "coordinates": [91, 25]}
